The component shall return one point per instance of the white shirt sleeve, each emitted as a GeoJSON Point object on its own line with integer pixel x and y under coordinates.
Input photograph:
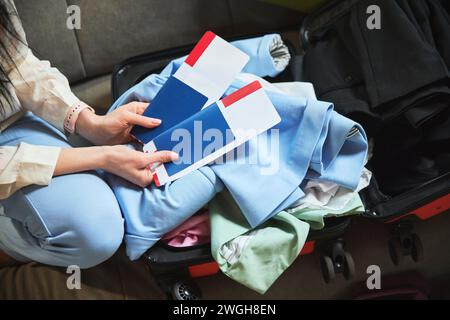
{"type": "Point", "coordinates": [43, 90]}
{"type": "Point", "coordinates": [25, 165]}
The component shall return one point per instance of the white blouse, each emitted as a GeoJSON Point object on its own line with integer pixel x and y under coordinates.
{"type": "Point", "coordinates": [43, 90]}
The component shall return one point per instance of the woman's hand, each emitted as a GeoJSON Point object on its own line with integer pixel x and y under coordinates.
{"type": "Point", "coordinates": [122, 161]}
{"type": "Point", "coordinates": [134, 166]}
{"type": "Point", "coordinates": [114, 128]}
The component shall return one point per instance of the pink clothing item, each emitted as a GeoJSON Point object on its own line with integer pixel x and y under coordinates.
{"type": "Point", "coordinates": [194, 231]}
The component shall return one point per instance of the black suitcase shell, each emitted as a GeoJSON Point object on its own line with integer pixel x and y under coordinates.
{"type": "Point", "coordinates": [423, 202]}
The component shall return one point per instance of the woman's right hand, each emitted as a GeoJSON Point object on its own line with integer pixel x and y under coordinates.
{"type": "Point", "coordinates": [120, 160]}
{"type": "Point", "coordinates": [132, 165]}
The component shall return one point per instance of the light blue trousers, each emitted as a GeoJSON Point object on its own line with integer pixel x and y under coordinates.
{"type": "Point", "coordinates": [76, 220]}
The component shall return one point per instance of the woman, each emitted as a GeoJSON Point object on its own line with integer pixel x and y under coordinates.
{"type": "Point", "coordinates": [57, 209]}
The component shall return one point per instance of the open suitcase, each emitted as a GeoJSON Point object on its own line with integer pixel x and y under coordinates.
{"type": "Point", "coordinates": [419, 203]}
{"type": "Point", "coordinates": [174, 267]}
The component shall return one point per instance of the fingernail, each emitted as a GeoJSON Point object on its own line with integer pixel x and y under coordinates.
{"type": "Point", "coordinates": [156, 121]}
{"type": "Point", "coordinates": [174, 156]}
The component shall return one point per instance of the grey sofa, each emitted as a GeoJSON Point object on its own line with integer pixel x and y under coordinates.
{"type": "Point", "coordinates": [113, 30]}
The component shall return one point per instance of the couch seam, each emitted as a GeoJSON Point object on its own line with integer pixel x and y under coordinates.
{"type": "Point", "coordinates": [75, 33]}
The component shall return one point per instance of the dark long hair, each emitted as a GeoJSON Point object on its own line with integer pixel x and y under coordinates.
{"type": "Point", "coordinates": [7, 33]}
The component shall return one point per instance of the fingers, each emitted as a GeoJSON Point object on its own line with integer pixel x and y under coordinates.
{"type": "Point", "coordinates": [143, 175]}
{"type": "Point", "coordinates": [145, 160]}
{"type": "Point", "coordinates": [163, 157]}
{"type": "Point", "coordinates": [133, 114]}
{"type": "Point", "coordinates": [145, 178]}
{"type": "Point", "coordinates": [136, 119]}
{"type": "Point", "coordinates": [146, 174]}
{"type": "Point", "coordinates": [137, 107]}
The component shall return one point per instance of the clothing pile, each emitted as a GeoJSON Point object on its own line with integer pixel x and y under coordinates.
{"type": "Point", "coordinates": [310, 166]}
{"type": "Point", "coordinates": [393, 80]}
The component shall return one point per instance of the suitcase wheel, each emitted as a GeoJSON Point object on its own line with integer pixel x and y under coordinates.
{"type": "Point", "coordinates": [405, 243]}
{"type": "Point", "coordinates": [338, 260]}
{"type": "Point", "coordinates": [417, 248]}
{"type": "Point", "coordinates": [395, 251]}
{"type": "Point", "coordinates": [349, 266]}
{"type": "Point", "coordinates": [185, 290]}
{"type": "Point", "coordinates": [327, 266]}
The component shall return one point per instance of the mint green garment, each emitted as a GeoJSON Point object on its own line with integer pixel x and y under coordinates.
{"type": "Point", "coordinates": [266, 251]}
{"type": "Point", "coordinates": [315, 217]}
{"type": "Point", "coordinates": [257, 257]}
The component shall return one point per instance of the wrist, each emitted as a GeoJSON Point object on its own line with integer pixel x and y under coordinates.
{"type": "Point", "coordinates": [87, 124]}
{"type": "Point", "coordinates": [73, 114]}
{"type": "Point", "coordinates": [72, 160]}
{"type": "Point", "coordinates": [111, 157]}
{"type": "Point", "coordinates": [106, 155]}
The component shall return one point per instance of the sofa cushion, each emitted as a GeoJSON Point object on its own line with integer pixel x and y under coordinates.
{"type": "Point", "coordinates": [44, 22]}
{"type": "Point", "coordinates": [112, 31]}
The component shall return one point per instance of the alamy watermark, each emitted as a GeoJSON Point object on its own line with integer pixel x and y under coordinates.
{"type": "Point", "coordinates": [374, 280]}
{"type": "Point", "coordinates": [74, 17]}
{"type": "Point", "coordinates": [374, 20]}
{"type": "Point", "coordinates": [74, 280]}
{"type": "Point", "coordinates": [262, 150]}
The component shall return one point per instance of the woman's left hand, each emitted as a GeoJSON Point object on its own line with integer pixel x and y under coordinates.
{"type": "Point", "coordinates": [114, 128]}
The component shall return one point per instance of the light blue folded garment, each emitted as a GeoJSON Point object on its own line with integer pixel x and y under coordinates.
{"type": "Point", "coordinates": [268, 55]}
{"type": "Point", "coordinates": [152, 212]}
{"type": "Point", "coordinates": [311, 136]}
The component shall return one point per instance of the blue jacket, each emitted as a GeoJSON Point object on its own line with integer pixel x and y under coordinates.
{"type": "Point", "coordinates": [315, 142]}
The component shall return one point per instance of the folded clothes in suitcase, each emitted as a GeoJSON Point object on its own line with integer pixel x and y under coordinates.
{"type": "Point", "coordinates": [425, 196]}
{"type": "Point", "coordinates": [163, 257]}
